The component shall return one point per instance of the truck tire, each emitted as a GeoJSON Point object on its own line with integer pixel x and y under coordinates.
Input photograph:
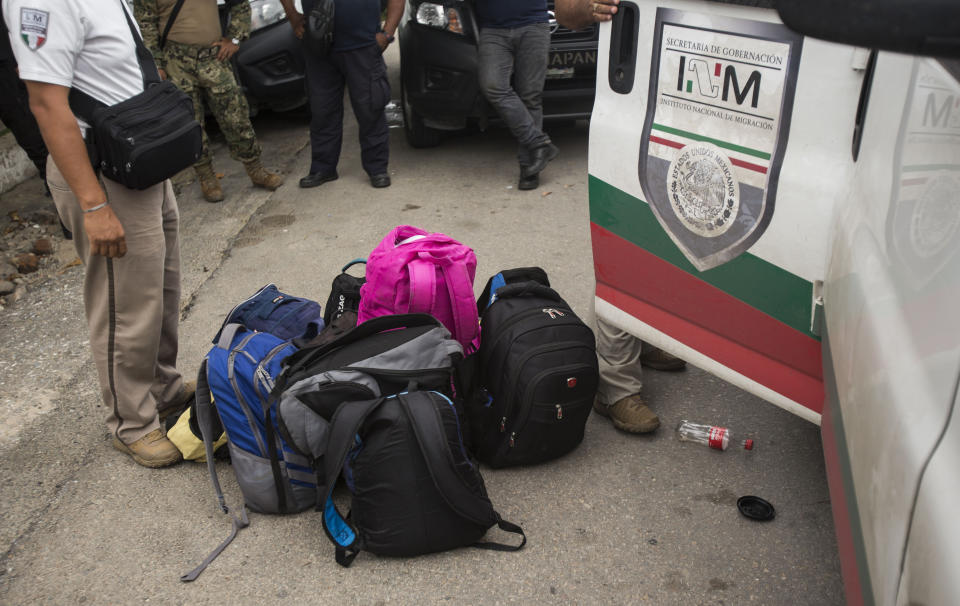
{"type": "Point", "coordinates": [418, 135]}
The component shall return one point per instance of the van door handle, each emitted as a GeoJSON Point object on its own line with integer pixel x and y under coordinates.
{"type": "Point", "coordinates": [623, 48]}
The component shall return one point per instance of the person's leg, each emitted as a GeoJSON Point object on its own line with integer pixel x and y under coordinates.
{"type": "Point", "coordinates": [497, 55]}
{"type": "Point", "coordinates": [325, 94]}
{"type": "Point", "coordinates": [169, 387]}
{"type": "Point", "coordinates": [124, 300]}
{"type": "Point", "coordinates": [181, 68]}
{"type": "Point", "coordinates": [229, 106]}
{"type": "Point", "coordinates": [618, 395]}
{"type": "Point", "coordinates": [366, 76]}
{"type": "Point", "coordinates": [533, 47]}
{"type": "Point", "coordinates": [618, 354]}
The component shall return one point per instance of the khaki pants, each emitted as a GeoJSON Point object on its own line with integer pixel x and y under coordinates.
{"type": "Point", "coordinates": [618, 353]}
{"type": "Point", "coordinates": [132, 303]}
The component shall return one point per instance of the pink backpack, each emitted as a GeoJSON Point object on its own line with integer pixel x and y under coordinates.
{"type": "Point", "coordinates": [412, 271]}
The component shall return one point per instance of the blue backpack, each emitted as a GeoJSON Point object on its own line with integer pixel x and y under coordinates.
{"type": "Point", "coordinates": [233, 397]}
{"type": "Point", "coordinates": [282, 315]}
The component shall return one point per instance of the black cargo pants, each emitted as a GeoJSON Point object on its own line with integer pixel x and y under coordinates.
{"type": "Point", "coordinates": [365, 75]}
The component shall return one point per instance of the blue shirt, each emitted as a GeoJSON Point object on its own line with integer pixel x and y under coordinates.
{"type": "Point", "coordinates": [511, 13]}
{"type": "Point", "coordinates": [356, 23]}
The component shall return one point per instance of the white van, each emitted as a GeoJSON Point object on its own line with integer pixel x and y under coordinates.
{"type": "Point", "coordinates": [784, 211]}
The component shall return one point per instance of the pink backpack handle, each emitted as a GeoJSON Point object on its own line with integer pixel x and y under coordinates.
{"type": "Point", "coordinates": [459, 288]}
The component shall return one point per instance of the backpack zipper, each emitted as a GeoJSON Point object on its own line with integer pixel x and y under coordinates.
{"type": "Point", "coordinates": [509, 403]}
{"type": "Point", "coordinates": [526, 405]}
{"type": "Point", "coordinates": [574, 322]}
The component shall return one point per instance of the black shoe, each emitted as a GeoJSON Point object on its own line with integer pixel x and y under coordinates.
{"type": "Point", "coordinates": [381, 180]}
{"type": "Point", "coordinates": [531, 182]}
{"type": "Point", "coordinates": [315, 179]}
{"type": "Point", "coordinates": [539, 157]}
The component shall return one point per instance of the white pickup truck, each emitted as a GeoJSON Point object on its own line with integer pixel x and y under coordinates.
{"type": "Point", "coordinates": [784, 211]}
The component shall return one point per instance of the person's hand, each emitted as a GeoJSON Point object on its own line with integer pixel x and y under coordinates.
{"type": "Point", "coordinates": [105, 233]}
{"type": "Point", "coordinates": [603, 10]}
{"type": "Point", "coordinates": [297, 22]}
{"type": "Point", "coordinates": [227, 49]}
{"type": "Point", "coordinates": [163, 73]}
{"type": "Point", "coordinates": [383, 41]}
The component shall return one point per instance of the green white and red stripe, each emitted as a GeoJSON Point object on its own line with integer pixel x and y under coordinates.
{"type": "Point", "coordinates": [754, 162]}
{"type": "Point", "coordinates": [748, 315]}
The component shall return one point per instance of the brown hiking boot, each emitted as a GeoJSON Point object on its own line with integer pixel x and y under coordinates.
{"type": "Point", "coordinates": [180, 402]}
{"type": "Point", "coordinates": [261, 177]}
{"type": "Point", "coordinates": [630, 414]}
{"type": "Point", "coordinates": [152, 450]}
{"type": "Point", "coordinates": [658, 359]}
{"type": "Point", "coordinates": [209, 184]}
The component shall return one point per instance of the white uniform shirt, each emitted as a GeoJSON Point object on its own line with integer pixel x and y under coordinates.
{"type": "Point", "coordinates": [85, 44]}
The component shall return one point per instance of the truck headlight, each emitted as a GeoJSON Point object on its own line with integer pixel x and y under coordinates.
{"type": "Point", "coordinates": [267, 12]}
{"type": "Point", "coordinates": [440, 17]}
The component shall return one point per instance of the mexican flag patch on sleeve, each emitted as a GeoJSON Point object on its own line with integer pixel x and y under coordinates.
{"type": "Point", "coordinates": [33, 27]}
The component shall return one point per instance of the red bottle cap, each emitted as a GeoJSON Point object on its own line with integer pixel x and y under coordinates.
{"type": "Point", "coordinates": [748, 444]}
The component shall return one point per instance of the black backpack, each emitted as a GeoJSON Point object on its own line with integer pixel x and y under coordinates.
{"type": "Point", "coordinates": [537, 365]}
{"type": "Point", "coordinates": [415, 489]}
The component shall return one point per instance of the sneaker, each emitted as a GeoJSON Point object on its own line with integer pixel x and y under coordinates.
{"type": "Point", "coordinates": [658, 359]}
{"type": "Point", "coordinates": [152, 450]}
{"type": "Point", "coordinates": [630, 414]}
{"type": "Point", "coordinates": [180, 403]}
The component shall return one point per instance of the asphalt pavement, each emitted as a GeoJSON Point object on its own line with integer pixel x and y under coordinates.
{"type": "Point", "coordinates": [622, 520]}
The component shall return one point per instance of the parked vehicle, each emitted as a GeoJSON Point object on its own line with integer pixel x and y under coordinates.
{"type": "Point", "coordinates": [784, 211]}
{"type": "Point", "coordinates": [438, 65]}
{"type": "Point", "coordinates": [270, 63]}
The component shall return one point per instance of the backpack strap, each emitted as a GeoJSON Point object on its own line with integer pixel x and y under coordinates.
{"type": "Point", "coordinates": [423, 286]}
{"type": "Point", "coordinates": [344, 269]}
{"type": "Point", "coordinates": [509, 276]}
{"type": "Point", "coordinates": [205, 414]}
{"type": "Point", "coordinates": [170, 20]}
{"type": "Point", "coordinates": [344, 426]}
{"type": "Point", "coordinates": [459, 288]}
{"type": "Point", "coordinates": [432, 439]}
{"type": "Point", "coordinates": [303, 358]}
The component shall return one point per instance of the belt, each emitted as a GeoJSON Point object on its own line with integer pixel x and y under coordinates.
{"type": "Point", "coordinates": [199, 51]}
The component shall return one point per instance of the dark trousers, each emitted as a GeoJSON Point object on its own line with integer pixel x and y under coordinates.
{"type": "Point", "coordinates": [15, 114]}
{"type": "Point", "coordinates": [364, 73]}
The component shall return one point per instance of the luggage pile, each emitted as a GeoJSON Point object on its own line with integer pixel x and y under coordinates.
{"type": "Point", "coordinates": [399, 388]}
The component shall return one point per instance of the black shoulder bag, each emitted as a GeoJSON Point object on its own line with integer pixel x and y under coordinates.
{"type": "Point", "coordinates": [147, 138]}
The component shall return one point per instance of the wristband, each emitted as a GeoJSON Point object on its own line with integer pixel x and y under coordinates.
{"type": "Point", "coordinates": [94, 208]}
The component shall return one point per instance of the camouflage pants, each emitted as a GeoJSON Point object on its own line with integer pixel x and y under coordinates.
{"type": "Point", "coordinates": [196, 71]}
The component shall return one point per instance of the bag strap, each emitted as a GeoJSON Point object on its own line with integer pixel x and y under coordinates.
{"type": "Point", "coordinates": [423, 286]}
{"type": "Point", "coordinates": [522, 289]}
{"type": "Point", "coordinates": [432, 439]}
{"type": "Point", "coordinates": [352, 263]}
{"type": "Point", "coordinates": [170, 20]}
{"type": "Point", "coordinates": [344, 425]}
{"type": "Point", "coordinates": [205, 414]}
{"type": "Point", "coordinates": [297, 361]}
{"type": "Point", "coordinates": [509, 276]}
{"type": "Point", "coordinates": [84, 105]}
{"type": "Point", "coordinates": [459, 289]}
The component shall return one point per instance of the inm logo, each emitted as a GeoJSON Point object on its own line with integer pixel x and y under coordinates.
{"type": "Point", "coordinates": [717, 80]}
{"type": "Point", "coordinates": [941, 111]}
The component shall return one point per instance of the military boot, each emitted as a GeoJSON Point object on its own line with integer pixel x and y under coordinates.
{"type": "Point", "coordinates": [629, 414]}
{"type": "Point", "coordinates": [152, 450]}
{"type": "Point", "coordinates": [209, 184]}
{"type": "Point", "coordinates": [261, 177]}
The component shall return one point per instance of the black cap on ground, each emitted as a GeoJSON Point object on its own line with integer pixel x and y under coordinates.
{"type": "Point", "coordinates": [756, 508]}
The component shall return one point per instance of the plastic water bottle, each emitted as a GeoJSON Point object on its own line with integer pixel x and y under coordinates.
{"type": "Point", "coordinates": [710, 435]}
